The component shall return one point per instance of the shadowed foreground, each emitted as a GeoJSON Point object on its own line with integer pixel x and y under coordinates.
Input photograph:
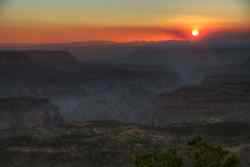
{"type": "Point", "coordinates": [113, 144]}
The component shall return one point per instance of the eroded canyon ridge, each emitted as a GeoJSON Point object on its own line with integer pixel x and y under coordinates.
{"type": "Point", "coordinates": [163, 92]}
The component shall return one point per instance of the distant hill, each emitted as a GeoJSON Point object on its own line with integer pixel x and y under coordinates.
{"type": "Point", "coordinates": [62, 66]}
{"type": "Point", "coordinates": [34, 65]}
{"type": "Point", "coordinates": [22, 56]}
{"type": "Point", "coordinates": [14, 57]}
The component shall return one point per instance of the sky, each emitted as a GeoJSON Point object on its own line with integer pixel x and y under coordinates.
{"type": "Point", "coordinates": [48, 21]}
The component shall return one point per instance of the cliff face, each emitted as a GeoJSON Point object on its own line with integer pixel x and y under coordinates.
{"type": "Point", "coordinates": [35, 65]}
{"type": "Point", "coordinates": [218, 98]}
{"type": "Point", "coordinates": [224, 96]}
{"type": "Point", "coordinates": [36, 56]}
{"type": "Point", "coordinates": [28, 112]}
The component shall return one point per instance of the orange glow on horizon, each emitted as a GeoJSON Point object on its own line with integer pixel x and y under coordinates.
{"type": "Point", "coordinates": [49, 33]}
{"type": "Point", "coordinates": [64, 34]}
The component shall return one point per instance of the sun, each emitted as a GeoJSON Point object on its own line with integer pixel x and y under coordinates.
{"type": "Point", "coordinates": [195, 32]}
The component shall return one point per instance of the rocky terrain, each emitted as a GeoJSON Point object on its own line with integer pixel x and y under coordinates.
{"type": "Point", "coordinates": [28, 112]}
{"type": "Point", "coordinates": [112, 144]}
{"type": "Point", "coordinates": [160, 90]}
{"type": "Point", "coordinates": [34, 66]}
{"type": "Point", "coordinates": [227, 101]}
{"type": "Point", "coordinates": [224, 96]}
{"type": "Point", "coordinates": [43, 91]}
{"type": "Point", "coordinates": [84, 91]}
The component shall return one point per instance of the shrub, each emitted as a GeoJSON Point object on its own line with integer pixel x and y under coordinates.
{"type": "Point", "coordinates": [231, 160]}
{"type": "Point", "coordinates": [207, 155]}
{"type": "Point", "coordinates": [163, 159]}
{"type": "Point", "coordinates": [200, 153]}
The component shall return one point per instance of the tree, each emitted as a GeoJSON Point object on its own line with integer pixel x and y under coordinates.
{"type": "Point", "coordinates": [207, 155]}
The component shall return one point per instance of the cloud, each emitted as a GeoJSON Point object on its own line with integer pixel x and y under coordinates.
{"type": "Point", "coordinates": [50, 33]}
{"type": "Point", "coordinates": [147, 31]}
{"type": "Point", "coordinates": [2, 6]}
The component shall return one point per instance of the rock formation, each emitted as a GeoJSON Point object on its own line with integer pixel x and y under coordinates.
{"type": "Point", "coordinates": [28, 112]}
{"type": "Point", "coordinates": [228, 101]}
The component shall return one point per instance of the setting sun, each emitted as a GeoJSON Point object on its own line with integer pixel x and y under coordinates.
{"type": "Point", "coordinates": [195, 32]}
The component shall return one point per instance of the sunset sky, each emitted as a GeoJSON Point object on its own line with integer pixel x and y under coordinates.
{"type": "Point", "coordinates": [48, 21]}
